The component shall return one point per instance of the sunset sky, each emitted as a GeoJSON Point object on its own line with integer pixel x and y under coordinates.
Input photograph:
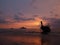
{"type": "Point", "coordinates": [29, 13]}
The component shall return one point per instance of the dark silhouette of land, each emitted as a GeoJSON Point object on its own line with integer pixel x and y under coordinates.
{"type": "Point", "coordinates": [23, 28]}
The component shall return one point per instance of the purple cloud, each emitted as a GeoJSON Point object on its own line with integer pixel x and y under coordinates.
{"type": "Point", "coordinates": [3, 21]}
{"type": "Point", "coordinates": [35, 15]}
{"type": "Point", "coordinates": [33, 1]}
{"type": "Point", "coordinates": [21, 14]}
{"type": "Point", "coordinates": [17, 18]}
{"type": "Point", "coordinates": [1, 12]}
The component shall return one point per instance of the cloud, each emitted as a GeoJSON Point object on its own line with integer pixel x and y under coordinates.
{"type": "Point", "coordinates": [33, 4]}
{"type": "Point", "coordinates": [33, 1]}
{"type": "Point", "coordinates": [1, 12]}
{"type": "Point", "coordinates": [14, 19]}
{"type": "Point", "coordinates": [54, 22]}
{"type": "Point", "coordinates": [2, 21]}
{"type": "Point", "coordinates": [35, 15]}
{"type": "Point", "coordinates": [6, 20]}
{"type": "Point", "coordinates": [17, 18]}
{"type": "Point", "coordinates": [20, 13]}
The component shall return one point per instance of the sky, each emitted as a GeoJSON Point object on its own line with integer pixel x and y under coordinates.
{"type": "Point", "coordinates": [29, 13]}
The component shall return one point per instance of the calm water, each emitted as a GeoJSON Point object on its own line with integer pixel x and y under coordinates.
{"type": "Point", "coordinates": [29, 39]}
{"type": "Point", "coordinates": [20, 40]}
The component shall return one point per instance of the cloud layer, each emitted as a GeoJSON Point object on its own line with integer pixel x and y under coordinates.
{"type": "Point", "coordinates": [12, 11]}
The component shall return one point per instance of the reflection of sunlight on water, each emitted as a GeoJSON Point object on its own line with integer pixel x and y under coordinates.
{"type": "Point", "coordinates": [25, 39]}
{"type": "Point", "coordinates": [51, 39]}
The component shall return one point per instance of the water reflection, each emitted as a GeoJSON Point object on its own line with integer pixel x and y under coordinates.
{"type": "Point", "coordinates": [51, 39]}
{"type": "Point", "coordinates": [20, 40]}
{"type": "Point", "coordinates": [45, 39]}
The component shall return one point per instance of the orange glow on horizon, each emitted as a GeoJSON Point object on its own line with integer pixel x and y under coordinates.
{"type": "Point", "coordinates": [28, 24]}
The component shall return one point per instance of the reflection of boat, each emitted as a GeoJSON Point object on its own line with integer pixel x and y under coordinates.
{"type": "Point", "coordinates": [45, 40]}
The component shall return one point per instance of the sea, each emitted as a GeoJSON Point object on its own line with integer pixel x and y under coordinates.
{"type": "Point", "coordinates": [28, 38]}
